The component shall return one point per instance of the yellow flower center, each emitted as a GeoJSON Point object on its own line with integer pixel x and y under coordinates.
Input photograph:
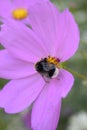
{"type": "Point", "coordinates": [54, 61]}
{"type": "Point", "coordinates": [19, 13]}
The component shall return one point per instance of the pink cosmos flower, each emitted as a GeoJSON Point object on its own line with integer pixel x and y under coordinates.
{"type": "Point", "coordinates": [17, 9]}
{"type": "Point", "coordinates": [32, 60]}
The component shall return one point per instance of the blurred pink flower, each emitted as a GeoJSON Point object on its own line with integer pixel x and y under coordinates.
{"type": "Point", "coordinates": [17, 9]}
{"type": "Point", "coordinates": [56, 35]}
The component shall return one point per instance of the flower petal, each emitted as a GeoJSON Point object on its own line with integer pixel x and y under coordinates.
{"type": "Point", "coordinates": [21, 41]}
{"type": "Point", "coordinates": [44, 19]}
{"type": "Point", "coordinates": [12, 68]}
{"type": "Point", "coordinates": [46, 109]}
{"type": "Point", "coordinates": [67, 36]}
{"type": "Point", "coordinates": [19, 94]}
{"type": "Point", "coordinates": [5, 8]}
{"type": "Point", "coordinates": [26, 2]}
{"type": "Point", "coordinates": [21, 3]}
{"type": "Point", "coordinates": [65, 82]}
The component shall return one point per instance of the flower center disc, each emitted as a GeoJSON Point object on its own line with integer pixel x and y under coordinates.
{"type": "Point", "coordinates": [19, 13]}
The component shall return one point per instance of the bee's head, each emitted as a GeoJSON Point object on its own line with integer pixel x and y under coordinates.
{"type": "Point", "coordinates": [39, 67]}
{"type": "Point", "coordinates": [42, 66]}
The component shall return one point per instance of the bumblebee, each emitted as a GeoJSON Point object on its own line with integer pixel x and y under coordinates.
{"type": "Point", "coordinates": [46, 69]}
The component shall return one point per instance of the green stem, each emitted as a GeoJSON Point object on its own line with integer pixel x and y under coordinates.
{"type": "Point", "coordinates": [76, 73]}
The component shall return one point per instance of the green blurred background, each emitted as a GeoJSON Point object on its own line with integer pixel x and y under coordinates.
{"type": "Point", "coordinates": [76, 101]}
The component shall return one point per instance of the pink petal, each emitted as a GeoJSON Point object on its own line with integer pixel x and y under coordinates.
{"type": "Point", "coordinates": [65, 82]}
{"type": "Point", "coordinates": [58, 31]}
{"type": "Point", "coordinates": [46, 109]}
{"type": "Point", "coordinates": [19, 94]}
{"type": "Point", "coordinates": [27, 2]}
{"type": "Point", "coordinates": [67, 36]}
{"type": "Point", "coordinates": [21, 42]}
{"type": "Point", "coordinates": [5, 8]}
{"type": "Point", "coordinates": [11, 68]}
{"type": "Point", "coordinates": [44, 19]}
{"type": "Point", "coordinates": [21, 3]}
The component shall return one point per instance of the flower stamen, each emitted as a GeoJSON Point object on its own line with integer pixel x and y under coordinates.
{"type": "Point", "coordinates": [54, 61]}
{"type": "Point", "coordinates": [19, 13]}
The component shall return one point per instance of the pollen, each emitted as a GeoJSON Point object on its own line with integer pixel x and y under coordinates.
{"type": "Point", "coordinates": [54, 61]}
{"type": "Point", "coordinates": [19, 13]}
